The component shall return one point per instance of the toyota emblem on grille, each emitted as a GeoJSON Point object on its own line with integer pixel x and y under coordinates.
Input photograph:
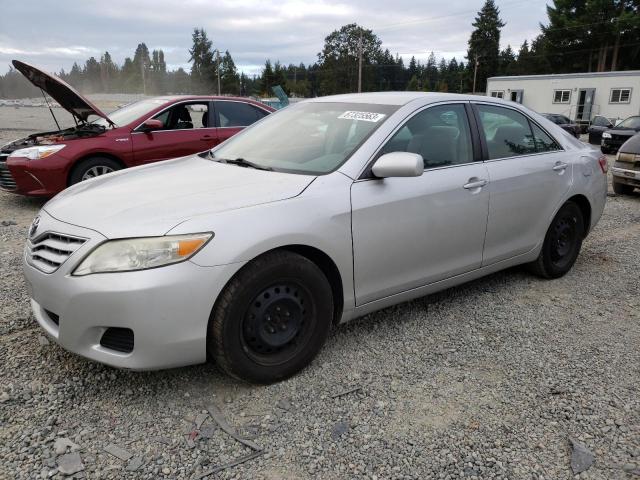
{"type": "Point", "coordinates": [34, 227]}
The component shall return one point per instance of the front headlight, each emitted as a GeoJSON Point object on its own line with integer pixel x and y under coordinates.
{"type": "Point", "coordinates": [606, 135]}
{"type": "Point", "coordinates": [36, 153]}
{"type": "Point", "coordinates": [141, 253]}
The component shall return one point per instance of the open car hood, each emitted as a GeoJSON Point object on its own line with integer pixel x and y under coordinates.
{"type": "Point", "coordinates": [61, 92]}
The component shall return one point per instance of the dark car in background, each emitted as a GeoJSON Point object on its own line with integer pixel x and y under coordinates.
{"type": "Point", "coordinates": [626, 169]}
{"type": "Point", "coordinates": [142, 132]}
{"type": "Point", "coordinates": [597, 127]}
{"type": "Point", "coordinates": [564, 123]}
{"type": "Point", "coordinates": [614, 137]}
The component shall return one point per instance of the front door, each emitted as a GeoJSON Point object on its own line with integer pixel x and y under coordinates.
{"type": "Point", "coordinates": [188, 129]}
{"type": "Point", "coordinates": [585, 104]}
{"type": "Point", "coordinates": [529, 175]}
{"type": "Point", "coordinates": [409, 232]}
{"type": "Point", "coordinates": [516, 95]}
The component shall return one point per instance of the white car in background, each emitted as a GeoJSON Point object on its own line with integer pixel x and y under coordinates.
{"type": "Point", "coordinates": [322, 212]}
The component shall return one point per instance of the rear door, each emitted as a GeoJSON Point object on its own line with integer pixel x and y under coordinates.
{"type": "Point", "coordinates": [231, 116]}
{"type": "Point", "coordinates": [188, 129]}
{"type": "Point", "coordinates": [409, 232]}
{"type": "Point", "coordinates": [529, 175]}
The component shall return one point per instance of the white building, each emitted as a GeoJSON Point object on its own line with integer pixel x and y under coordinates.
{"type": "Point", "coordinates": [579, 96]}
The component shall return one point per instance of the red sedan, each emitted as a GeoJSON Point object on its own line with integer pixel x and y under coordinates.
{"type": "Point", "coordinates": [147, 131]}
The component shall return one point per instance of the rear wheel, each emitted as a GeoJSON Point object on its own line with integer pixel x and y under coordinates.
{"type": "Point", "coordinates": [272, 318]}
{"type": "Point", "coordinates": [622, 188]}
{"type": "Point", "coordinates": [93, 167]}
{"type": "Point", "coordinates": [562, 243]}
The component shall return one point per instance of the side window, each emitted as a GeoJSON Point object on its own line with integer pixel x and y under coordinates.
{"type": "Point", "coordinates": [185, 116]}
{"type": "Point", "coordinates": [235, 114]}
{"type": "Point", "coordinates": [440, 134]}
{"type": "Point", "coordinates": [506, 132]}
{"type": "Point", "coordinates": [543, 142]}
{"type": "Point", "coordinates": [260, 113]}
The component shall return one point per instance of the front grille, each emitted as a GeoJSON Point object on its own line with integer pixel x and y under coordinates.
{"type": "Point", "coordinates": [50, 250]}
{"type": "Point", "coordinates": [118, 339]}
{"type": "Point", "coordinates": [6, 179]}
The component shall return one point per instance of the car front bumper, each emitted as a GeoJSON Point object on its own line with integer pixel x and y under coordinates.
{"type": "Point", "coordinates": [612, 144]}
{"type": "Point", "coordinates": [167, 308]}
{"type": "Point", "coordinates": [37, 178]}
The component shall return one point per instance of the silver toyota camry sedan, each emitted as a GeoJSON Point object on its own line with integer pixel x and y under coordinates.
{"type": "Point", "coordinates": [325, 211]}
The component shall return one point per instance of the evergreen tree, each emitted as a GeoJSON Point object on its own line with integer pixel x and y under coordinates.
{"type": "Point", "coordinates": [203, 68]}
{"type": "Point", "coordinates": [229, 79]}
{"type": "Point", "coordinates": [484, 44]}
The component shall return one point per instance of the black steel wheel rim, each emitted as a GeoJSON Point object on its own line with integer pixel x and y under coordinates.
{"type": "Point", "coordinates": [563, 239]}
{"type": "Point", "coordinates": [278, 323]}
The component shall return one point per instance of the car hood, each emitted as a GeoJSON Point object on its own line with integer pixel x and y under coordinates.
{"type": "Point", "coordinates": [622, 131]}
{"type": "Point", "coordinates": [151, 200]}
{"type": "Point", "coordinates": [61, 92]}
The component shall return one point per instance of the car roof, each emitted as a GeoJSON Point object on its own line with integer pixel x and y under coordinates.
{"type": "Point", "coordinates": [175, 98]}
{"type": "Point", "coordinates": [402, 98]}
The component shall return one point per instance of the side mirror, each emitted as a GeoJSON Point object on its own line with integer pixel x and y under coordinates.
{"type": "Point", "coordinates": [152, 124]}
{"type": "Point", "coordinates": [398, 164]}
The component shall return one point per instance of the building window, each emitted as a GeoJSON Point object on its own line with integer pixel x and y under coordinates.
{"type": "Point", "coordinates": [497, 93]}
{"type": "Point", "coordinates": [561, 96]}
{"type": "Point", "coordinates": [620, 95]}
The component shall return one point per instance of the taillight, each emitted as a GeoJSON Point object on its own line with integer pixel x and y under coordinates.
{"type": "Point", "coordinates": [604, 165]}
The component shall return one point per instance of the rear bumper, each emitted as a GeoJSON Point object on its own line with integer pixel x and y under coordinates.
{"type": "Point", "coordinates": [626, 176]}
{"type": "Point", "coordinates": [167, 308]}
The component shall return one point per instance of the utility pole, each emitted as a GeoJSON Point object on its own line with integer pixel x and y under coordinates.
{"type": "Point", "coordinates": [218, 58]}
{"type": "Point", "coordinates": [475, 74]}
{"type": "Point", "coordinates": [144, 84]}
{"type": "Point", "coordinates": [360, 62]}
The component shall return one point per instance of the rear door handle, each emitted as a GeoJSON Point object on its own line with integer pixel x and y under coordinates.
{"type": "Point", "coordinates": [474, 184]}
{"type": "Point", "coordinates": [558, 167]}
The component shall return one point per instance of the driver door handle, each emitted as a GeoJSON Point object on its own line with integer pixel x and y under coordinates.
{"type": "Point", "coordinates": [559, 166]}
{"type": "Point", "coordinates": [206, 137]}
{"type": "Point", "coordinates": [475, 184]}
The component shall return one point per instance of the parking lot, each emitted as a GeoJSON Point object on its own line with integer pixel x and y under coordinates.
{"type": "Point", "coordinates": [487, 380]}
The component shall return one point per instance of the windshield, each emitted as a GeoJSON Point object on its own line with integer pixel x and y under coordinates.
{"type": "Point", "coordinates": [308, 138]}
{"type": "Point", "coordinates": [631, 122]}
{"type": "Point", "coordinates": [131, 112]}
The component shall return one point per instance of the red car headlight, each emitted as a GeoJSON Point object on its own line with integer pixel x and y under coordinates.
{"type": "Point", "coordinates": [36, 153]}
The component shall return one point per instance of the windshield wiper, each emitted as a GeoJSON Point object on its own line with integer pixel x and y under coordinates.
{"type": "Point", "coordinates": [244, 163]}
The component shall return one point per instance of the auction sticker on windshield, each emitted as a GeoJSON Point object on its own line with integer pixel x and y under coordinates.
{"type": "Point", "coordinates": [365, 116]}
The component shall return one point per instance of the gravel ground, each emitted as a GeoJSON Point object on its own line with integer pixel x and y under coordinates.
{"type": "Point", "coordinates": [487, 380]}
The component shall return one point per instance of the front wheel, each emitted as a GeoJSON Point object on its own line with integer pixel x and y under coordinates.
{"type": "Point", "coordinates": [272, 318]}
{"type": "Point", "coordinates": [91, 168]}
{"type": "Point", "coordinates": [562, 243]}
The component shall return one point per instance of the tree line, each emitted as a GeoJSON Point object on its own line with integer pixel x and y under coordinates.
{"type": "Point", "coordinates": [579, 36]}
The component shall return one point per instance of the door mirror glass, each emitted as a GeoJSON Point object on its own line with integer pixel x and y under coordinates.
{"type": "Point", "coordinates": [398, 164]}
{"type": "Point", "coordinates": [152, 124]}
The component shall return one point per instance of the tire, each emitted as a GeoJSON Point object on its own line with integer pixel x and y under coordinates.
{"type": "Point", "coordinates": [271, 319]}
{"type": "Point", "coordinates": [93, 167]}
{"type": "Point", "coordinates": [605, 150]}
{"type": "Point", "coordinates": [562, 243]}
{"type": "Point", "coordinates": [622, 189]}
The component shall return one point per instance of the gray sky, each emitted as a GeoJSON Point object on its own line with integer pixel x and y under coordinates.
{"type": "Point", "coordinates": [55, 33]}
